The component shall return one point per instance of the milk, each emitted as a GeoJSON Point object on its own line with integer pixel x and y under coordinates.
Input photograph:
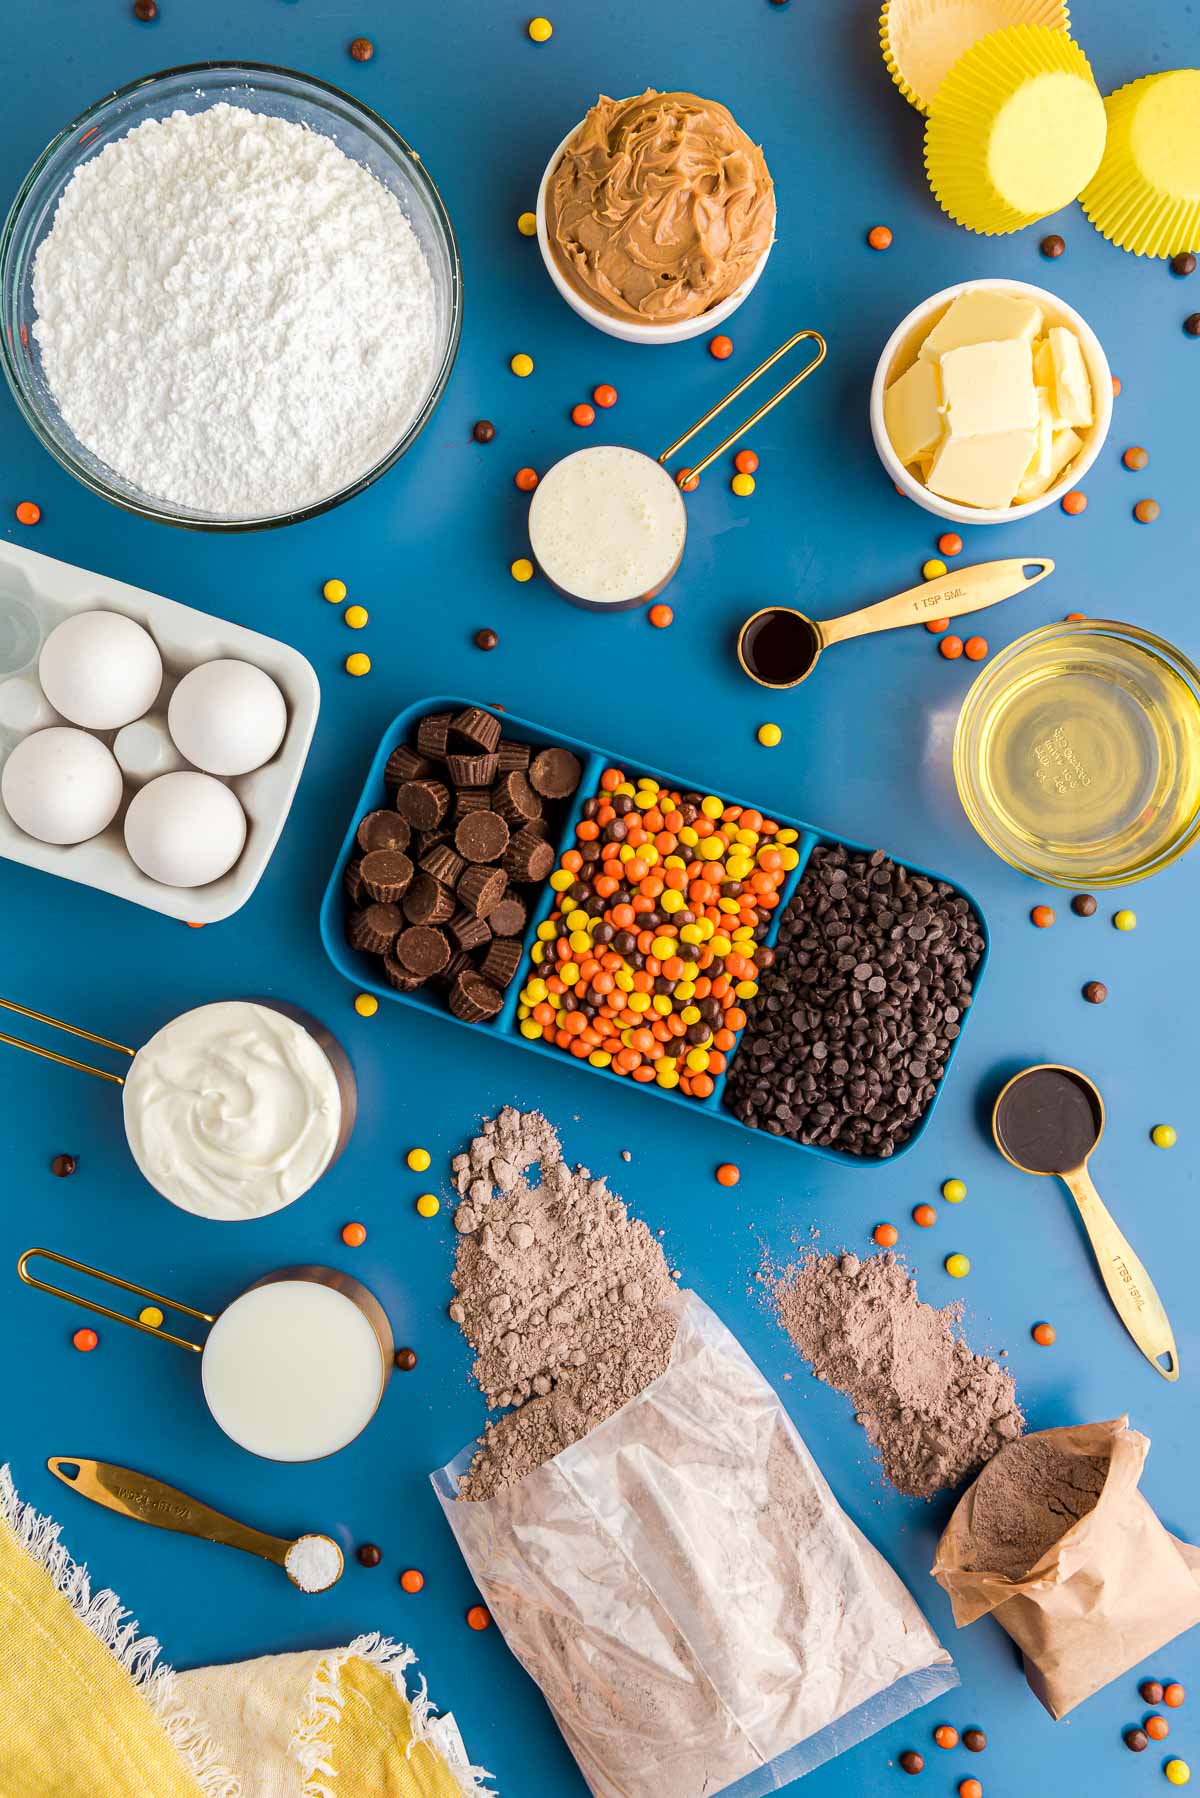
{"type": "Point", "coordinates": [607, 525]}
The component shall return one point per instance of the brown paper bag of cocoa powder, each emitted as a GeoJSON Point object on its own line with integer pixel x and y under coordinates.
{"type": "Point", "coordinates": [1114, 1588]}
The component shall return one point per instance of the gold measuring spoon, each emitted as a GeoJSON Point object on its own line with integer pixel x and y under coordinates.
{"type": "Point", "coordinates": [779, 646]}
{"type": "Point", "coordinates": [148, 1500]}
{"type": "Point", "coordinates": [1048, 1120]}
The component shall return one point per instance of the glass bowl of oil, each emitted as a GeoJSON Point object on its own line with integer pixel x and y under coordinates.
{"type": "Point", "coordinates": [1077, 754]}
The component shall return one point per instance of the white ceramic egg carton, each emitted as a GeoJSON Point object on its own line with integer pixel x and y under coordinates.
{"type": "Point", "coordinates": [37, 593]}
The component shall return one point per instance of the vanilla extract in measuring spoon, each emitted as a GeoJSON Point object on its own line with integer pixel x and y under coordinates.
{"type": "Point", "coordinates": [778, 647]}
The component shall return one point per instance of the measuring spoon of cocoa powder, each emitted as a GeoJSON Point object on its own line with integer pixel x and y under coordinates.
{"type": "Point", "coordinates": [1049, 1119]}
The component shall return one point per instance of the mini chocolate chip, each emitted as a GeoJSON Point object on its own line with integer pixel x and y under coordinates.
{"type": "Point", "coordinates": [62, 1165]}
{"type": "Point", "coordinates": [483, 430]}
{"type": "Point", "coordinates": [1184, 263]}
{"type": "Point", "coordinates": [1053, 246]}
{"type": "Point", "coordinates": [912, 1762]}
{"type": "Point", "coordinates": [486, 639]}
{"type": "Point", "coordinates": [975, 1740]}
{"type": "Point", "coordinates": [1084, 905]}
{"type": "Point", "coordinates": [1191, 324]}
{"type": "Point", "coordinates": [362, 49]}
{"type": "Point", "coordinates": [1151, 1690]}
{"type": "Point", "coordinates": [1095, 992]}
{"type": "Point", "coordinates": [406, 1359]}
{"type": "Point", "coordinates": [1137, 1740]}
{"type": "Point", "coordinates": [369, 1555]}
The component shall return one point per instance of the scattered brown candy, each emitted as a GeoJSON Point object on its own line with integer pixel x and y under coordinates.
{"type": "Point", "coordinates": [406, 1359]}
{"type": "Point", "coordinates": [1191, 324]}
{"type": "Point", "coordinates": [1136, 1740]}
{"type": "Point", "coordinates": [1184, 263]}
{"type": "Point", "coordinates": [975, 1740]}
{"type": "Point", "coordinates": [1053, 246]}
{"type": "Point", "coordinates": [486, 639]}
{"type": "Point", "coordinates": [1083, 905]}
{"type": "Point", "coordinates": [911, 1761]}
{"type": "Point", "coordinates": [362, 49]}
{"type": "Point", "coordinates": [145, 10]}
{"type": "Point", "coordinates": [483, 430]}
{"type": "Point", "coordinates": [1151, 1690]}
{"type": "Point", "coordinates": [369, 1555]}
{"type": "Point", "coordinates": [1095, 992]}
{"type": "Point", "coordinates": [63, 1165]}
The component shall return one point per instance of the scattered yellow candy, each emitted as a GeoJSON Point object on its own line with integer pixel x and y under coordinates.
{"type": "Point", "coordinates": [334, 591]}
{"type": "Point", "coordinates": [522, 569]}
{"type": "Point", "coordinates": [957, 1266]}
{"type": "Point", "coordinates": [769, 735]}
{"type": "Point", "coordinates": [355, 616]}
{"type": "Point", "coordinates": [953, 1191]}
{"type": "Point", "coordinates": [428, 1205]}
{"type": "Point", "coordinates": [1125, 920]}
{"type": "Point", "coordinates": [418, 1160]}
{"type": "Point", "coordinates": [540, 30]}
{"type": "Point", "coordinates": [1178, 1772]}
{"type": "Point", "coordinates": [522, 365]}
{"type": "Point", "coordinates": [743, 485]}
{"type": "Point", "coordinates": [1163, 1136]}
{"type": "Point", "coordinates": [527, 224]}
{"type": "Point", "coordinates": [366, 1005]}
{"type": "Point", "coordinates": [933, 568]}
{"type": "Point", "coordinates": [151, 1315]}
{"type": "Point", "coordinates": [358, 663]}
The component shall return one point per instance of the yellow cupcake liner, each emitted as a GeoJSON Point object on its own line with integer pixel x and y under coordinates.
{"type": "Point", "coordinates": [921, 40]}
{"type": "Point", "coordinates": [1017, 132]}
{"type": "Point", "coordinates": [1145, 196]}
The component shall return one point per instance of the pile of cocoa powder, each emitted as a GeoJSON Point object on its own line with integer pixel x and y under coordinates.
{"type": "Point", "coordinates": [933, 1410]}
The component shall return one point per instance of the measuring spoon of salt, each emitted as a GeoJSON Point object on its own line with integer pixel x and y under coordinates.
{"type": "Point", "coordinates": [313, 1562]}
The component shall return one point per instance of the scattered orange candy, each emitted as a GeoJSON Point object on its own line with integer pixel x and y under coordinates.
{"type": "Point", "coordinates": [85, 1341]}
{"type": "Point", "coordinates": [746, 462]}
{"type": "Point", "coordinates": [526, 479]}
{"type": "Point", "coordinates": [411, 1580]}
{"type": "Point", "coordinates": [946, 1736]}
{"type": "Point", "coordinates": [886, 1235]}
{"type": "Point", "coordinates": [879, 237]}
{"type": "Point", "coordinates": [925, 1215]}
{"type": "Point", "coordinates": [950, 543]}
{"type": "Point", "coordinates": [937, 625]}
{"type": "Point", "coordinates": [969, 1788]}
{"type": "Point", "coordinates": [720, 347]}
{"type": "Point", "coordinates": [951, 648]}
{"type": "Point", "coordinates": [1174, 1695]}
{"type": "Point", "coordinates": [354, 1235]}
{"type": "Point", "coordinates": [604, 395]}
{"type": "Point", "coordinates": [728, 1174]}
{"type": "Point", "coordinates": [660, 616]}
{"type": "Point", "coordinates": [1074, 617]}
{"type": "Point", "coordinates": [1042, 916]}
{"type": "Point", "coordinates": [1146, 511]}
{"type": "Point", "coordinates": [583, 414]}
{"type": "Point", "coordinates": [1116, 381]}
{"type": "Point", "coordinates": [1135, 456]}
{"type": "Point", "coordinates": [975, 648]}
{"type": "Point", "coordinates": [687, 480]}
{"type": "Point", "coordinates": [479, 1616]}
{"type": "Point", "coordinates": [1156, 1727]}
{"type": "Point", "coordinates": [28, 512]}
{"type": "Point", "coordinates": [1044, 1334]}
{"type": "Point", "coordinates": [1074, 502]}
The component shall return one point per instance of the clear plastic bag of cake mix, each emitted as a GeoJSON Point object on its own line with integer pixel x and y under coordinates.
{"type": "Point", "coordinates": [699, 1612]}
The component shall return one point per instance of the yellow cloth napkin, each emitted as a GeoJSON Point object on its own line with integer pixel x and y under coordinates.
{"type": "Point", "coordinates": [87, 1707]}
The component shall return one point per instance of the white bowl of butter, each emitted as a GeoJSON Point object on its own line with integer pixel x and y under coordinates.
{"type": "Point", "coordinates": [990, 401]}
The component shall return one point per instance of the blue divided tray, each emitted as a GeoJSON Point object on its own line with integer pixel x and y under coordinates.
{"type": "Point", "coordinates": [363, 970]}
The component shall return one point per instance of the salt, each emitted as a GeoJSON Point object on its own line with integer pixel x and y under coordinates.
{"type": "Point", "coordinates": [232, 314]}
{"type": "Point", "coordinates": [313, 1563]}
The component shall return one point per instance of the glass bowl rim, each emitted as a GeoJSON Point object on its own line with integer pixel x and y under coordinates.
{"type": "Point", "coordinates": [161, 513]}
{"type": "Point", "coordinates": [1180, 663]}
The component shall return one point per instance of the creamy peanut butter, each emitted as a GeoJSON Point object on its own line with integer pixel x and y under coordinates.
{"type": "Point", "coordinates": [660, 207]}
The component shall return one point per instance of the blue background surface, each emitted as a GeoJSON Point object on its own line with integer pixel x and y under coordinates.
{"type": "Point", "coordinates": [865, 750]}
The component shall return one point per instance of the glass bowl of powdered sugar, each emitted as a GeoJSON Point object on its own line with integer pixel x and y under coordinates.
{"type": "Point", "coordinates": [232, 297]}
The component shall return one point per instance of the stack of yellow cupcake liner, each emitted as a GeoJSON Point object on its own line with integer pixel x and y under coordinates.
{"type": "Point", "coordinates": [921, 40]}
{"type": "Point", "coordinates": [1145, 196]}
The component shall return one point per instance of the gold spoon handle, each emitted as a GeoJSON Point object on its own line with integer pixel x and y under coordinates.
{"type": "Point", "coordinates": [949, 596]}
{"type": "Point", "coordinates": [148, 1500]}
{"type": "Point", "coordinates": [1130, 1287]}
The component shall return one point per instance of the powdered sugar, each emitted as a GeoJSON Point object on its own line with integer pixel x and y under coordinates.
{"type": "Point", "coordinates": [232, 314]}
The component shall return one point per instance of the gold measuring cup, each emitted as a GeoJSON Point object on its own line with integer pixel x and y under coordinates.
{"type": "Point", "coordinates": [658, 489]}
{"type": "Point", "coordinates": [1049, 1119]}
{"type": "Point", "coordinates": [801, 639]}
{"type": "Point", "coordinates": [256, 1373]}
{"type": "Point", "coordinates": [147, 1500]}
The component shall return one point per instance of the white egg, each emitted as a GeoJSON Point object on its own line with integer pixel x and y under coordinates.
{"type": "Point", "coordinates": [185, 829]}
{"type": "Point", "coordinates": [227, 717]}
{"type": "Point", "coordinates": [61, 786]}
{"type": "Point", "coordinates": [100, 669]}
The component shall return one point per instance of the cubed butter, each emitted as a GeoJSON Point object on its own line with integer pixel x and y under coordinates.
{"type": "Point", "coordinates": [983, 315]}
{"type": "Point", "coordinates": [1036, 475]}
{"type": "Point", "coordinates": [982, 471]}
{"type": "Point", "coordinates": [1072, 388]}
{"type": "Point", "coordinates": [1043, 364]}
{"type": "Point", "coordinates": [1063, 447]}
{"type": "Point", "coordinates": [911, 412]}
{"type": "Point", "coordinates": [988, 387]}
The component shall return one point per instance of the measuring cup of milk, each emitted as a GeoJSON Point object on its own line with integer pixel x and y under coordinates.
{"type": "Point", "coordinates": [607, 525]}
{"type": "Point", "coordinates": [292, 1369]}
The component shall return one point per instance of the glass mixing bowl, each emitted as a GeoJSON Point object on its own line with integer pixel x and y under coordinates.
{"type": "Point", "coordinates": [1077, 754]}
{"type": "Point", "coordinates": [358, 131]}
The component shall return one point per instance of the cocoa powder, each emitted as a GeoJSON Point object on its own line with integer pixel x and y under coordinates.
{"type": "Point", "coordinates": [1024, 1501]}
{"type": "Point", "coordinates": [933, 1410]}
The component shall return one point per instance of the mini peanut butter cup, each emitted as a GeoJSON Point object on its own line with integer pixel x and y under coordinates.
{"type": "Point", "coordinates": [476, 726]}
{"type": "Point", "coordinates": [481, 889]}
{"type": "Point", "coordinates": [472, 799]}
{"type": "Point", "coordinates": [433, 735]}
{"type": "Point", "coordinates": [501, 961]}
{"type": "Point", "coordinates": [405, 764]}
{"type": "Point", "coordinates": [399, 977]}
{"type": "Point", "coordinates": [374, 929]}
{"type": "Point", "coordinates": [515, 799]}
{"type": "Point", "coordinates": [474, 999]}
{"type": "Point", "coordinates": [352, 884]}
{"type": "Point", "coordinates": [386, 874]}
{"type": "Point", "coordinates": [423, 802]}
{"type": "Point", "coordinates": [427, 901]}
{"type": "Point", "coordinates": [383, 830]}
{"type": "Point", "coordinates": [422, 950]}
{"type": "Point", "coordinates": [454, 967]}
{"type": "Point", "coordinates": [513, 755]}
{"type": "Point", "coordinates": [509, 917]}
{"type": "Point", "coordinates": [528, 857]}
{"type": "Point", "coordinates": [481, 837]}
{"type": "Point", "coordinates": [473, 770]}
{"type": "Point", "coordinates": [555, 773]}
{"type": "Point", "coordinates": [468, 931]}
{"type": "Point", "coordinates": [443, 862]}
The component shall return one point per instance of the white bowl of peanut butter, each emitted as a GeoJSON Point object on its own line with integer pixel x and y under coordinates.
{"type": "Point", "coordinates": [655, 217]}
